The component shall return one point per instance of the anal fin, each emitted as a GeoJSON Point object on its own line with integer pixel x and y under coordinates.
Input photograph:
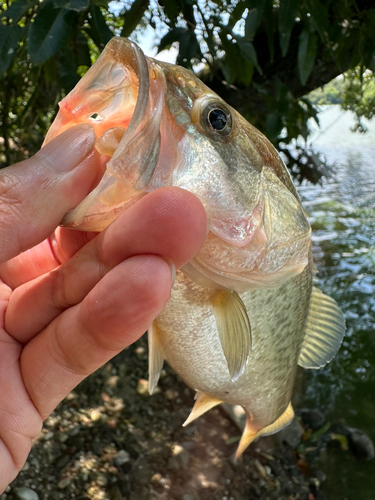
{"type": "Point", "coordinates": [234, 330]}
{"type": "Point", "coordinates": [203, 403]}
{"type": "Point", "coordinates": [249, 435]}
{"type": "Point", "coordinates": [324, 331]}
{"type": "Point", "coordinates": [155, 357]}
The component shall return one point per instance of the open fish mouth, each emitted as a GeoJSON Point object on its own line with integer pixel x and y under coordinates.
{"type": "Point", "coordinates": [119, 80]}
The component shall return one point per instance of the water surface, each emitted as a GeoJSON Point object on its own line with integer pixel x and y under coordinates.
{"type": "Point", "coordinates": [342, 214]}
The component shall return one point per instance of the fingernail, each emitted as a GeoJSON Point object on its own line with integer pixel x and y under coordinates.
{"type": "Point", "coordinates": [68, 149]}
{"type": "Point", "coordinates": [208, 211]}
{"type": "Point", "coordinates": [173, 269]}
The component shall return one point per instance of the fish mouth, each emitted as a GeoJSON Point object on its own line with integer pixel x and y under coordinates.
{"type": "Point", "coordinates": [119, 79]}
{"type": "Point", "coordinates": [115, 97]}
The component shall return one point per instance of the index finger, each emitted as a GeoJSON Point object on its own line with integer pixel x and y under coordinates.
{"type": "Point", "coordinates": [45, 257]}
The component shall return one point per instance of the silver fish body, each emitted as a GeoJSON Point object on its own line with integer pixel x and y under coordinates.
{"type": "Point", "coordinates": [243, 313]}
{"type": "Point", "coordinates": [192, 346]}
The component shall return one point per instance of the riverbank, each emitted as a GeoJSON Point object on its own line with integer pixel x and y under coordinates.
{"type": "Point", "coordinates": [111, 440]}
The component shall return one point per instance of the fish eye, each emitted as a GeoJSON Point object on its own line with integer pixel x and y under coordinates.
{"type": "Point", "coordinates": [216, 119]}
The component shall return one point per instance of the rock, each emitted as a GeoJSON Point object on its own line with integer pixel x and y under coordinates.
{"type": "Point", "coordinates": [64, 483]}
{"type": "Point", "coordinates": [26, 494]}
{"type": "Point", "coordinates": [74, 430]}
{"type": "Point", "coordinates": [360, 444]}
{"type": "Point", "coordinates": [101, 480]}
{"type": "Point", "coordinates": [179, 459]}
{"type": "Point", "coordinates": [112, 381]}
{"type": "Point", "coordinates": [313, 418]}
{"type": "Point", "coordinates": [236, 414]}
{"type": "Point", "coordinates": [262, 471]}
{"type": "Point", "coordinates": [292, 434]}
{"type": "Point", "coordinates": [97, 448]}
{"type": "Point", "coordinates": [191, 496]}
{"type": "Point", "coordinates": [63, 437]}
{"type": "Point", "coordinates": [34, 462]}
{"type": "Point", "coordinates": [26, 467]}
{"type": "Point", "coordinates": [115, 493]}
{"type": "Point", "coordinates": [62, 461]}
{"type": "Point", "coordinates": [49, 436]}
{"type": "Point", "coordinates": [95, 415]}
{"type": "Point", "coordinates": [142, 387]}
{"type": "Point", "coordinates": [319, 474]}
{"type": "Point", "coordinates": [121, 458]}
{"type": "Point", "coordinates": [237, 495]}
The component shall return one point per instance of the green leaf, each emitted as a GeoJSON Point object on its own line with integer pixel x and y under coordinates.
{"type": "Point", "coordinates": [314, 438]}
{"type": "Point", "coordinates": [306, 54]}
{"type": "Point", "coordinates": [75, 54]}
{"type": "Point", "coordinates": [233, 61]}
{"type": "Point", "coordinates": [253, 19]}
{"type": "Point", "coordinates": [274, 125]}
{"type": "Point", "coordinates": [188, 48]}
{"type": "Point", "coordinates": [133, 16]}
{"type": "Point", "coordinates": [10, 36]}
{"type": "Point", "coordinates": [48, 32]}
{"type": "Point", "coordinates": [187, 8]}
{"type": "Point", "coordinates": [99, 32]}
{"type": "Point", "coordinates": [174, 35]}
{"type": "Point", "coordinates": [249, 53]}
{"type": "Point", "coordinates": [171, 9]}
{"type": "Point", "coordinates": [246, 74]}
{"type": "Point", "coordinates": [319, 14]}
{"type": "Point", "coordinates": [76, 5]}
{"type": "Point", "coordinates": [269, 21]}
{"type": "Point", "coordinates": [287, 15]}
{"type": "Point", "coordinates": [237, 12]}
{"type": "Point", "coordinates": [18, 9]}
{"type": "Point", "coordinates": [343, 440]}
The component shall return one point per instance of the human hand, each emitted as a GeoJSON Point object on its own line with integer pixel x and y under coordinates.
{"type": "Point", "coordinates": [74, 300]}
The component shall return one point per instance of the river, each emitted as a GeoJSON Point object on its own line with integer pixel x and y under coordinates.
{"type": "Point", "coordinates": [342, 215]}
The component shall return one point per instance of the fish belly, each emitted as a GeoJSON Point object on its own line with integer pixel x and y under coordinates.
{"type": "Point", "coordinates": [191, 344]}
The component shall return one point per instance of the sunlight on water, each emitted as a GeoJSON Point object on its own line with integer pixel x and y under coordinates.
{"type": "Point", "coordinates": [342, 214]}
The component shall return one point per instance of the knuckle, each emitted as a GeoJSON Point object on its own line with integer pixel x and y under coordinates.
{"type": "Point", "coordinates": [59, 297]}
{"type": "Point", "coordinates": [10, 190]}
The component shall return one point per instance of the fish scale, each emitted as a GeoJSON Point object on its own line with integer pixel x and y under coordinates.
{"type": "Point", "coordinates": [243, 312]}
{"type": "Point", "coordinates": [275, 328]}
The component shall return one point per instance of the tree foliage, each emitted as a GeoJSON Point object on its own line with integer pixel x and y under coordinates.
{"type": "Point", "coordinates": [262, 56]}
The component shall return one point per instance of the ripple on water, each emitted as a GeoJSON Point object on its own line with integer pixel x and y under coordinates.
{"type": "Point", "coordinates": [342, 214]}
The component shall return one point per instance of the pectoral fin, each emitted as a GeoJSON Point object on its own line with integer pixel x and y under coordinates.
{"type": "Point", "coordinates": [234, 330]}
{"type": "Point", "coordinates": [155, 357]}
{"type": "Point", "coordinates": [203, 403]}
{"type": "Point", "coordinates": [249, 434]}
{"type": "Point", "coordinates": [325, 329]}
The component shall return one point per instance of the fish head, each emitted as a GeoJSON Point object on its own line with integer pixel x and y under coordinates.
{"type": "Point", "coordinates": [159, 125]}
{"type": "Point", "coordinates": [259, 236]}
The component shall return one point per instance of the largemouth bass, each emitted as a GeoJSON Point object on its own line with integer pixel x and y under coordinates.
{"type": "Point", "coordinates": [243, 313]}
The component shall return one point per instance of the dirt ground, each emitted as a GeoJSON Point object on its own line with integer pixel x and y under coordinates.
{"type": "Point", "coordinates": [110, 440]}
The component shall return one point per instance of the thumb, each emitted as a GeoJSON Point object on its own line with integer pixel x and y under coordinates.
{"type": "Point", "coordinates": [35, 194]}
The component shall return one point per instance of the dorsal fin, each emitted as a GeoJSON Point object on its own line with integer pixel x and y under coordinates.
{"type": "Point", "coordinates": [155, 357]}
{"type": "Point", "coordinates": [203, 403]}
{"type": "Point", "coordinates": [234, 330]}
{"type": "Point", "coordinates": [324, 331]}
{"type": "Point", "coordinates": [249, 434]}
